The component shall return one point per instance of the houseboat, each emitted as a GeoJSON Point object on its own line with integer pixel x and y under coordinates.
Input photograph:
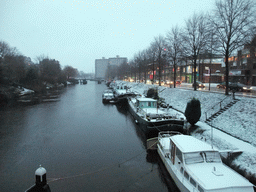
{"type": "Point", "coordinates": [122, 93]}
{"type": "Point", "coordinates": [196, 166]}
{"type": "Point", "coordinates": [152, 117]}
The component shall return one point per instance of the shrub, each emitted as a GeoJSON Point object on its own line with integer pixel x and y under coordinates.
{"type": "Point", "coordinates": [152, 93]}
{"type": "Point", "coordinates": [193, 111]}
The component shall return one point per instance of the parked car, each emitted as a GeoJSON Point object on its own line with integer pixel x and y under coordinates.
{"type": "Point", "coordinates": [239, 87]}
{"type": "Point", "coordinates": [222, 85]}
{"type": "Point", "coordinates": [178, 82]}
{"type": "Point", "coordinates": [168, 82]}
{"type": "Point", "coordinates": [199, 84]}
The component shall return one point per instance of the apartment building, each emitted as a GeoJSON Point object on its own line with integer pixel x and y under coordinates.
{"type": "Point", "coordinates": [242, 67]}
{"type": "Point", "coordinates": [103, 65]}
{"type": "Point", "coordinates": [207, 69]}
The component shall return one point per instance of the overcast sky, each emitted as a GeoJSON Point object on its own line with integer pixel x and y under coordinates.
{"type": "Point", "coordinates": [78, 32]}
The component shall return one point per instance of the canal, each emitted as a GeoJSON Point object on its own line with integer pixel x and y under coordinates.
{"type": "Point", "coordinates": [83, 144]}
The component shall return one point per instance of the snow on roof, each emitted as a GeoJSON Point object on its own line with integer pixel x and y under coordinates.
{"type": "Point", "coordinates": [239, 120]}
{"type": "Point", "coordinates": [190, 144]}
{"type": "Point", "coordinates": [145, 99]}
{"type": "Point", "coordinates": [204, 174]}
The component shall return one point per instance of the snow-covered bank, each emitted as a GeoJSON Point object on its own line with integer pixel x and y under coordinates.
{"type": "Point", "coordinates": [239, 120]}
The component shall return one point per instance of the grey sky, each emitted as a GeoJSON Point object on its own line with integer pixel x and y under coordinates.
{"type": "Point", "coordinates": [78, 32]}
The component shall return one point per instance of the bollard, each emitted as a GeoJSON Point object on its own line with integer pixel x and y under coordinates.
{"type": "Point", "coordinates": [41, 182]}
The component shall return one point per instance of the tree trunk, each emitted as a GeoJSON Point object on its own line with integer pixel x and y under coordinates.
{"type": "Point", "coordinates": [174, 75]}
{"type": "Point", "coordinates": [195, 74]}
{"type": "Point", "coordinates": [227, 73]}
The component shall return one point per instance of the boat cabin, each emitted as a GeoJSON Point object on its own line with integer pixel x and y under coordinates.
{"type": "Point", "coordinates": [121, 87]}
{"type": "Point", "coordinates": [196, 164]}
{"type": "Point", "coordinates": [146, 103]}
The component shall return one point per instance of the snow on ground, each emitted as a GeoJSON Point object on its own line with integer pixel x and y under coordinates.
{"type": "Point", "coordinates": [238, 121]}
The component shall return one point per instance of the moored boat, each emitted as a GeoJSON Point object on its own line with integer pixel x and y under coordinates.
{"type": "Point", "coordinates": [196, 166]}
{"type": "Point", "coordinates": [107, 96]}
{"type": "Point", "coordinates": [122, 93]}
{"type": "Point", "coordinates": [84, 81]}
{"type": "Point", "coordinates": [154, 118]}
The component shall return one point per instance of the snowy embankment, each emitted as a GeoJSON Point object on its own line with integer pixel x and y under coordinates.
{"type": "Point", "coordinates": [239, 121]}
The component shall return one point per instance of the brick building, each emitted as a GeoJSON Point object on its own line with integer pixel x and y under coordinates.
{"type": "Point", "coordinates": [242, 67]}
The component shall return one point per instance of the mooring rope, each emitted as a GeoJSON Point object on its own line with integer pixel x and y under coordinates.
{"type": "Point", "coordinates": [99, 170]}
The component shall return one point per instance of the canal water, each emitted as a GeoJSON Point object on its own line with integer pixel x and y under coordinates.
{"type": "Point", "coordinates": [83, 144]}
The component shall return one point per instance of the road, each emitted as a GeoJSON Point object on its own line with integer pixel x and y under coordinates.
{"type": "Point", "coordinates": [213, 88]}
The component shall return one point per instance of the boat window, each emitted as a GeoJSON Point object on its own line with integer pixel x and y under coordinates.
{"type": "Point", "coordinates": [186, 175]}
{"type": "Point", "coordinates": [179, 154]}
{"type": "Point", "coordinates": [191, 158]}
{"type": "Point", "coordinates": [200, 188]}
{"type": "Point", "coordinates": [212, 156]}
{"type": "Point", "coordinates": [181, 169]}
{"type": "Point", "coordinates": [192, 181]}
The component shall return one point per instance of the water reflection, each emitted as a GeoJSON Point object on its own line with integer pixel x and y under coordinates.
{"type": "Point", "coordinates": [76, 136]}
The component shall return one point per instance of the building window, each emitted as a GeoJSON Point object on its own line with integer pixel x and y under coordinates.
{"type": "Point", "coordinates": [234, 63]}
{"type": "Point", "coordinates": [254, 65]}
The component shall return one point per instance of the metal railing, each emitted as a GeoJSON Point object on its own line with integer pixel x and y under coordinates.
{"type": "Point", "coordinates": [217, 106]}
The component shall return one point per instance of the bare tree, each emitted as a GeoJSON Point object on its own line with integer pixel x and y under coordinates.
{"type": "Point", "coordinates": [151, 55]}
{"type": "Point", "coordinates": [233, 20]}
{"type": "Point", "coordinates": [159, 47]}
{"type": "Point", "coordinates": [138, 60]}
{"type": "Point", "coordinates": [174, 48]}
{"type": "Point", "coordinates": [212, 47]}
{"type": "Point", "coordinates": [123, 70]}
{"type": "Point", "coordinates": [69, 71]}
{"type": "Point", "coordinates": [194, 39]}
{"type": "Point", "coordinates": [12, 63]}
{"type": "Point", "coordinates": [141, 59]}
{"type": "Point", "coordinates": [132, 69]}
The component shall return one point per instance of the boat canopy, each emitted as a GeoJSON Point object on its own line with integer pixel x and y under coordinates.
{"type": "Point", "coordinates": [146, 103]}
{"type": "Point", "coordinates": [188, 144]}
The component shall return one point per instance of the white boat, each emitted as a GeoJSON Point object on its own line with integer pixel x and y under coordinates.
{"type": "Point", "coordinates": [196, 166]}
{"type": "Point", "coordinates": [122, 92]}
{"type": "Point", "coordinates": [107, 96]}
{"type": "Point", "coordinates": [154, 118]}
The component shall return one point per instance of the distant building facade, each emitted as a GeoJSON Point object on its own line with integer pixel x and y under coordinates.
{"type": "Point", "coordinates": [117, 61]}
{"type": "Point", "coordinates": [242, 67]}
{"type": "Point", "coordinates": [102, 65]}
{"type": "Point", "coordinates": [207, 70]}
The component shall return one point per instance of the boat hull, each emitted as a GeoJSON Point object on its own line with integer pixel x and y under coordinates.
{"type": "Point", "coordinates": [105, 101]}
{"type": "Point", "coordinates": [165, 125]}
{"type": "Point", "coordinates": [171, 171]}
